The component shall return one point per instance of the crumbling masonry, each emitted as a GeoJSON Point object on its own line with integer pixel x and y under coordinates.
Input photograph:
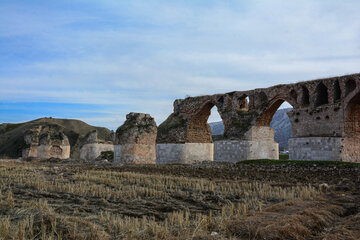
{"type": "Point", "coordinates": [325, 123]}
{"type": "Point", "coordinates": [135, 141]}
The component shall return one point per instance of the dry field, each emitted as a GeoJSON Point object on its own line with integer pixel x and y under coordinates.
{"type": "Point", "coordinates": [262, 200]}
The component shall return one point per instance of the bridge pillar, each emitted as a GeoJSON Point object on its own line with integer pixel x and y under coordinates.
{"type": "Point", "coordinates": [258, 144]}
{"type": "Point", "coordinates": [185, 153]}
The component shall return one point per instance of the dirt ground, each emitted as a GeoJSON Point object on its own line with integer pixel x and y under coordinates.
{"type": "Point", "coordinates": [249, 200]}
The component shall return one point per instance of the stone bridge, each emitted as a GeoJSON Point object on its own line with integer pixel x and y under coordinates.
{"type": "Point", "coordinates": [325, 123]}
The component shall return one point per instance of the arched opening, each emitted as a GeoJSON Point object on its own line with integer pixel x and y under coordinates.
{"type": "Point", "coordinates": [305, 98]}
{"type": "Point", "coordinates": [352, 117]}
{"type": "Point", "coordinates": [350, 86]}
{"type": "Point", "coordinates": [216, 124]}
{"type": "Point", "coordinates": [321, 95]}
{"type": "Point", "coordinates": [243, 103]}
{"type": "Point", "coordinates": [351, 145]}
{"type": "Point", "coordinates": [276, 117]}
{"type": "Point", "coordinates": [206, 123]}
{"type": "Point", "coordinates": [337, 92]}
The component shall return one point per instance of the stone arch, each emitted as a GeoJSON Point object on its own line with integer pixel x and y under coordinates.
{"type": "Point", "coordinates": [336, 91]}
{"type": "Point", "coordinates": [198, 130]}
{"type": "Point", "coordinates": [352, 117]}
{"type": "Point", "coordinates": [305, 96]}
{"type": "Point", "coordinates": [322, 96]}
{"type": "Point", "coordinates": [351, 144]}
{"type": "Point", "coordinates": [266, 116]}
{"type": "Point", "coordinates": [350, 86]}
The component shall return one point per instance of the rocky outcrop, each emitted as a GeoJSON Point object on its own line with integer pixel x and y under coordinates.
{"type": "Point", "coordinates": [135, 141]}
{"type": "Point", "coordinates": [46, 141]}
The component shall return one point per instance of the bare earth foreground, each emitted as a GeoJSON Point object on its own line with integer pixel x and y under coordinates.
{"type": "Point", "coordinates": [248, 200]}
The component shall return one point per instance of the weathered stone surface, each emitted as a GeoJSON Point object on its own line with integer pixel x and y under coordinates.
{"type": "Point", "coordinates": [239, 150]}
{"type": "Point", "coordinates": [322, 108]}
{"type": "Point", "coordinates": [91, 151]}
{"type": "Point", "coordinates": [46, 142]}
{"type": "Point", "coordinates": [316, 148]}
{"type": "Point", "coordinates": [136, 140]}
{"type": "Point", "coordinates": [185, 153]}
{"type": "Point", "coordinates": [93, 147]}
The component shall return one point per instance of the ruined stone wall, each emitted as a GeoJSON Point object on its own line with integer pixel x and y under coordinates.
{"type": "Point", "coordinates": [46, 142]}
{"type": "Point", "coordinates": [318, 109]}
{"type": "Point", "coordinates": [321, 108]}
{"type": "Point", "coordinates": [92, 147]}
{"type": "Point", "coordinates": [91, 151]}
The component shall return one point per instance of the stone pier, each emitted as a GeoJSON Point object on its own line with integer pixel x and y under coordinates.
{"type": "Point", "coordinates": [136, 140]}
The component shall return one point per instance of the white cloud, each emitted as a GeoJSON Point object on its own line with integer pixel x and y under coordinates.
{"type": "Point", "coordinates": [145, 54]}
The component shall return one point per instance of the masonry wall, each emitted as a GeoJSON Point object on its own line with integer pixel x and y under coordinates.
{"type": "Point", "coordinates": [351, 150]}
{"type": "Point", "coordinates": [117, 153]}
{"type": "Point", "coordinates": [91, 151]}
{"type": "Point", "coordinates": [49, 151]}
{"type": "Point", "coordinates": [234, 151]}
{"type": "Point", "coordinates": [316, 148]}
{"type": "Point", "coordinates": [135, 154]}
{"type": "Point", "coordinates": [324, 121]}
{"type": "Point", "coordinates": [186, 153]}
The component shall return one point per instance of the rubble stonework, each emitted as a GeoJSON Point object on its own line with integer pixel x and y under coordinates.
{"type": "Point", "coordinates": [327, 108]}
{"type": "Point", "coordinates": [93, 147]}
{"type": "Point", "coordinates": [46, 141]}
{"type": "Point", "coordinates": [135, 141]}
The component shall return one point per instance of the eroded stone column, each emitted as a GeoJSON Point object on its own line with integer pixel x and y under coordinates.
{"type": "Point", "coordinates": [136, 140]}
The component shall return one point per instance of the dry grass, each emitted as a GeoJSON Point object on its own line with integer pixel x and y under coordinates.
{"type": "Point", "coordinates": [290, 220]}
{"type": "Point", "coordinates": [38, 202]}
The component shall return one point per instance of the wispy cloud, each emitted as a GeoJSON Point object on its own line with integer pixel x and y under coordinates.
{"type": "Point", "coordinates": [141, 55]}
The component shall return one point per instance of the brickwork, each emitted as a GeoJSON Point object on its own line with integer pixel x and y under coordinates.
{"type": "Point", "coordinates": [324, 108]}
{"type": "Point", "coordinates": [185, 153]}
{"type": "Point", "coordinates": [316, 148]}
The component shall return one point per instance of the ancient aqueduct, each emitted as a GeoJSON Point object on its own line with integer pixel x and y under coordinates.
{"type": "Point", "coordinates": [325, 126]}
{"type": "Point", "coordinates": [325, 123]}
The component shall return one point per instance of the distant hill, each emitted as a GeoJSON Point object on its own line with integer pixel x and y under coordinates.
{"type": "Point", "coordinates": [281, 124]}
{"type": "Point", "coordinates": [12, 135]}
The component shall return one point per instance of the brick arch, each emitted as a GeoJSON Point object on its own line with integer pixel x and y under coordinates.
{"type": "Point", "coordinates": [266, 116]}
{"type": "Point", "coordinates": [336, 91]}
{"type": "Point", "coordinates": [350, 85]}
{"type": "Point", "coordinates": [305, 96]}
{"type": "Point", "coordinates": [198, 130]}
{"type": "Point", "coordinates": [322, 95]}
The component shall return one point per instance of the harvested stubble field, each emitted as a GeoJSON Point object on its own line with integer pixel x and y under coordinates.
{"type": "Point", "coordinates": [248, 200]}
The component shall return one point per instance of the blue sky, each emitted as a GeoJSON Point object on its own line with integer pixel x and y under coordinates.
{"type": "Point", "coordinates": [98, 60]}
